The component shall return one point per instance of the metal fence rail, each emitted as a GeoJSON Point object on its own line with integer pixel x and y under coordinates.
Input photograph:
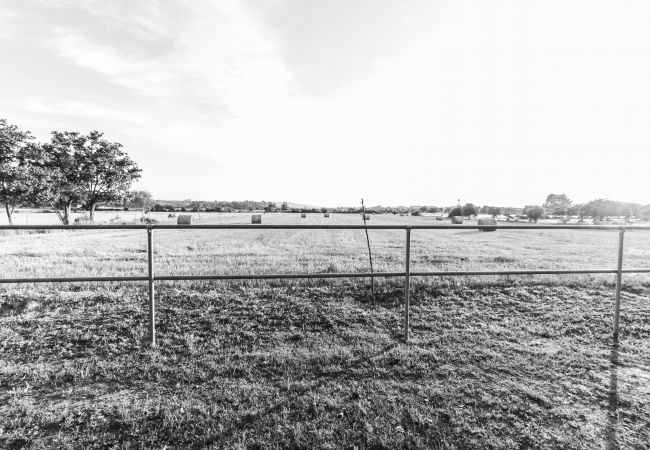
{"type": "Point", "coordinates": [151, 277]}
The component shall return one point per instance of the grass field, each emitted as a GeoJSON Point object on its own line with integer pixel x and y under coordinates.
{"type": "Point", "coordinates": [495, 362]}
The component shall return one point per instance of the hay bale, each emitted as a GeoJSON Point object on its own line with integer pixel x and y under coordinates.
{"type": "Point", "coordinates": [184, 219]}
{"type": "Point", "coordinates": [303, 215]}
{"type": "Point", "coordinates": [256, 218]}
{"type": "Point", "coordinates": [367, 217]}
{"type": "Point", "coordinates": [457, 220]}
{"type": "Point", "coordinates": [488, 221]}
{"type": "Point", "coordinates": [438, 217]}
{"type": "Point", "coordinates": [326, 215]}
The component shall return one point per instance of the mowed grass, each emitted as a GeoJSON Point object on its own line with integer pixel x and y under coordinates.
{"type": "Point", "coordinates": [183, 252]}
{"type": "Point", "coordinates": [493, 362]}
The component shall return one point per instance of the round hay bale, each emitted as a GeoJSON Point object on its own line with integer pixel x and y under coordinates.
{"type": "Point", "coordinates": [456, 220]}
{"type": "Point", "coordinates": [256, 218]}
{"type": "Point", "coordinates": [488, 221]}
{"type": "Point", "coordinates": [184, 219]}
{"type": "Point", "coordinates": [326, 215]}
{"type": "Point", "coordinates": [438, 217]}
{"type": "Point", "coordinates": [367, 217]}
{"type": "Point", "coordinates": [303, 215]}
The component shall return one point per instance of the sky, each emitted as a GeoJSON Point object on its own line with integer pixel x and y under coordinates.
{"type": "Point", "coordinates": [409, 102]}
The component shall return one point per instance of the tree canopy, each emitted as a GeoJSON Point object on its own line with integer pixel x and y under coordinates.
{"type": "Point", "coordinates": [469, 210]}
{"type": "Point", "coordinates": [15, 179]}
{"type": "Point", "coordinates": [72, 169]}
{"type": "Point", "coordinates": [557, 204]}
{"type": "Point", "coordinates": [138, 200]}
{"type": "Point", "coordinates": [83, 169]}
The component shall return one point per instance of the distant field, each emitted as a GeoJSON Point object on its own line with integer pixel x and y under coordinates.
{"type": "Point", "coordinates": [106, 253]}
{"type": "Point", "coordinates": [495, 362]}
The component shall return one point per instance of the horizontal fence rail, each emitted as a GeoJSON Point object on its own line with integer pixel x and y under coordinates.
{"type": "Point", "coordinates": [245, 226]}
{"type": "Point", "coordinates": [151, 277]}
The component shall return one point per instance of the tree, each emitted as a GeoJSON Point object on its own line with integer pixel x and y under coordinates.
{"type": "Point", "coordinates": [138, 200]}
{"type": "Point", "coordinates": [600, 208]}
{"type": "Point", "coordinates": [534, 213]}
{"type": "Point", "coordinates": [284, 207]}
{"type": "Point", "coordinates": [109, 172]}
{"type": "Point", "coordinates": [494, 211]}
{"type": "Point", "coordinates": [557, 204]}
{"type": "Point", "coordinates": [457, 211]}
{"type": "Point", "coordinates": [644, 212]}
{"type": "Point", "coordinates": [469, 210]}
{"type": "Point", "coordinates": [14, 177]}
{"type": "Point", "coordinates": [84, 170]}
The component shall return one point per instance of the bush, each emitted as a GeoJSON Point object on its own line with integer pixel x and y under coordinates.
{"type": "Point", "coordinates": [456, 212]}
{"type": "Point", "coordinates": [469, 210]}
{"type": "Point", "coordinates": [82, 220]}
{"type": "Point", "coordinates": [534, 213]}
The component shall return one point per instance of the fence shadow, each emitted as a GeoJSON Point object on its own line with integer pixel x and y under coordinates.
{"type": "Point", "coordinates": [611, 433]}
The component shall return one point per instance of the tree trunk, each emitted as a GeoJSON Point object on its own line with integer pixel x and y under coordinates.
{"type": "Point", "coordinates": [91, 212]}
{"type": "Point", "coordinates": [66, 213]}
{"type": "Point", "coordinates": [9, 214]}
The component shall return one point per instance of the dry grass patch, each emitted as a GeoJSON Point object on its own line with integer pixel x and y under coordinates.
{"type": "Point", "coordinates": [318, 366]}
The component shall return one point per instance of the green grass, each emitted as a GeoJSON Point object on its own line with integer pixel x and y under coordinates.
{"type": "Point", "coordinates": [493, 363]}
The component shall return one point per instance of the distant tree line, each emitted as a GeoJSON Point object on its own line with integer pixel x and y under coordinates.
{"type": "Point", "coordinates": [71, 170]}
{"type": "Point", "coordinates": [555, 205]}
{"type": "Point", "coordinates": [211, 206]}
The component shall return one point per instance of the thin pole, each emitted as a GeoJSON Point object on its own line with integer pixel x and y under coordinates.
{"type": "Point", "coordinates": [372, 278]}
{"type": "Point", "coordinates": [619, 275]}
{"type": "Point", "coordinates": [407, 286]}
{"type": "Point", "coordinates": [152, 301]}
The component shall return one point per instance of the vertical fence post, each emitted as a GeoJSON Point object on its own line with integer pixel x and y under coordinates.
{"type": "Point", "coordinates": [619, 275]}
{"type": "Point", "coordinates": [152, 300]}
{"type": "Point", "coordinates": [407, 287]}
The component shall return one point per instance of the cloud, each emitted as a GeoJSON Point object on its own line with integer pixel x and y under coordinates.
{"type": "Point", "coordinates": [334, 45]}
{"type": "Point", "coordinates": [83, 109]}
{"type": "Point", "coordinates": [219, 59]}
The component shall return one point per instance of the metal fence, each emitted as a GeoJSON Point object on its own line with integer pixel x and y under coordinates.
{"type": "Point", "coordinates": [151, 277]}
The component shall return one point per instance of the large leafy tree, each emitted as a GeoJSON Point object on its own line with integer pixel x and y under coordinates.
{"type": "Point", "coordinates": [139, 200]}
{"type": "Point", "coordinates": [84, 170]}
{"type": "Point", "coordinates": [14, 177]}
{"type": "Point", "coordinates": [62, 181]}
{"type": "Point", "coordinates": [109, 172]}
{"type": "Point", "coordinates": [469, 209]}
{"type": "Point", "coordinates": [557, 204]}
{"type": "Point", "coordinates": [494, 211]}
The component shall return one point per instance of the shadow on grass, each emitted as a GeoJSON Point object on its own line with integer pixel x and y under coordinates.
{"type": "Point", "coordinates": [324, 377]}
{"type": "Point", "coordinates": [612, 404]}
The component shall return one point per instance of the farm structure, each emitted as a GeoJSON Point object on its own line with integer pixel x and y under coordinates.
{"type": "Point", "coordinates": [152, 277]}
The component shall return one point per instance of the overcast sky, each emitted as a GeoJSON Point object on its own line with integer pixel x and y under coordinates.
{"type": "Point", "coordinates": [323, 102]}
